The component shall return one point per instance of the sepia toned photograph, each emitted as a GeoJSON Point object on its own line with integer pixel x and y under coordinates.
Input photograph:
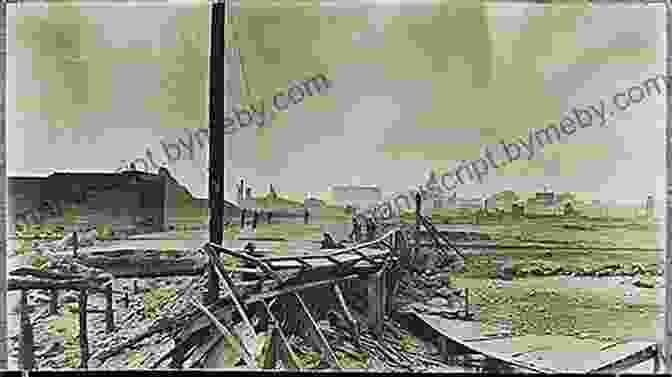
{"type": "Point", "coordinates": [448, 186]}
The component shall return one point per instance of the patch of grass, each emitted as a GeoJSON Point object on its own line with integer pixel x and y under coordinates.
{"type": "Point", "coordinates": [168, 253]}
{"type": "Point", "coordinates": [290, 232]}
{"type": "Point", "coordinates": [352, 360]}
{"type": "Point", "coordinates": [104, 232]}
{"type": "Point", "coordinates": [154, 299]}
{"type": "Point", "coordinates": [24, 247]}
{"type": "Point", "coordinates": [544, 306]}
{"type": "Point", "coordinates": [40, 262]}
{"type": "Point", "coordinates": [39, 231]}
{"type": "Point", "coordinates": [534, 262]}
{"type": "Point", "coordinates": [136, 360]}
{"type": "Point", "coordinates": [408, 343]}
{"type": "Point", "coordinates": [308, 360]}
{"type": "Point", "coordinates": [68, 327]}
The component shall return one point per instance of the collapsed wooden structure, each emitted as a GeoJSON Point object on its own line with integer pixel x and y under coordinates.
{"type": "Point", "coordinates": [287, 296]}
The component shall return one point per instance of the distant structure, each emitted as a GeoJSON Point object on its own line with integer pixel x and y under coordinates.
{"type": "Point", "coordinates": [312, 204]}
{"type": "Point", "coordinates": [356, 196]}
{"type": "Point", "coordinates": [272, 192]}
{"type": "Point", "coordinates": [649, 206]}
{"type": "Point", "coordinates": [547, 197]}
{"type": "Point", "coordinates": [239, 191]}
{"type": "Point", "coordinates": [125, 199]}
{"type": "Point", "coordinates": [454, 202]}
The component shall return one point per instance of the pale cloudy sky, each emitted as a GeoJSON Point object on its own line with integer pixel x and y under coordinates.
{"type": "Point", "coordinates": [415, 86]}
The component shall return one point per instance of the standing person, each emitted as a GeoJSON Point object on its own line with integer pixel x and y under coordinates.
{"type": "Point", "coordinates": [371, 229]}
{"type": "Point", "coordinates": [356, 230]}
{"type": "Point", "coordinates": [255, 218]}
{"type": "Point", "coordinates": [270, 215]}
{"type": "Point", "coordinates": [75, 243]}
{"type": "Point", "coordinates": [305, 216]}
{"type": "Point", "coordinates": [242, 218]}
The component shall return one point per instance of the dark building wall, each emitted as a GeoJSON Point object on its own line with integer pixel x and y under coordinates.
{"type": "Point", "coordinates": [121, 199]}
{"type": "Point", "coordinates": [24, 193]}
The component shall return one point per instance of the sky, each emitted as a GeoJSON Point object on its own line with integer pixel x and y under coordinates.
{"type": "Point", "coordinates": [415, 86]}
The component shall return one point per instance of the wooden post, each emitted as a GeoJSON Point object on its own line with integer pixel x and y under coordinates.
{"type": "Point", "coordinates": [466, 303]}
{"type": "Point", "coordinates": [127, 300]}
{"type": "Point", "coordinates": [27, 343]}
{"type": "Point", "coordinates": [217, 111]}
{"type": "Point", "coordinates": [376, 305]}
{"type": "Point", "coordinates": [53, 302]}
{"type": "Point", "coordinates": [177, 361]}
{"type": "Point", "coordinates": [83, 331]}
{"type": "Point", "coordinates": [109, 310]}
{"type": "Point", "coordinates": [667, 346]}
{"type": "Point", "coordinates": [75, 244]}
{"type": "Point", "coordinates": [3, 200]}
{"type": "Point", "coordinates": [213, 284]}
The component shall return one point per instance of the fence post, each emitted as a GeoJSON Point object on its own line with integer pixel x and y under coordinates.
{"type": "Point", "coordinates": [83, 335]}
{"type": "Point", "coordinates": [53, 302]}
{"type": "Point", "coordinates": [213, 284]}
{"type": "Point", "coordinates": [109, 311]}
{"type": "Point", "coordinates": [27, 344]}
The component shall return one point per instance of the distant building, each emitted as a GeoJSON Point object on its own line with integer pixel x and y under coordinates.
{"type": "Point", "coordinates": [356, 196]}
{"type": "Point", "coordinates": [123, 199]}
{"type": "Point", "coordinates": [545, 203]}
{"type": "Point", "coordinates": [505, 200]}
{"type": "Point", "coordinates": [490, 203]}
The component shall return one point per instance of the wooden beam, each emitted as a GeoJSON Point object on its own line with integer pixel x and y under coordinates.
{"type": "Point", "coordinates": [234, 294]}
{"type": "Point", "coordinates": [109, 309]}
{"type": "Point", "coordinates": [247, 355]}
{"type": "Point", "coordinates": [16, 284]}
{"type": "Point", "coordinates": [83, 329]}
{"type": "Point", "coordinates": [27, 341]}
{"type": "Point", "coordinates": [53, 301]}
{"type": "Point", "coordinates": [286, 352]}
{"type": "Point", "coordinates": [212, 293]}
{"type": "Point", "coordinates": [317, 336]}
{"type": "Point", "coordinates": [348, 315]}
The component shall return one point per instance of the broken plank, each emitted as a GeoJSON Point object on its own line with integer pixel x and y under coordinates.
{"type": "Point", "coordinates": [316, 334]}
{"type": "Point", "coordinates": [247, 354]}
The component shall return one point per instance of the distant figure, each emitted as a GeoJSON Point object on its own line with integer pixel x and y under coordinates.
{"type": "Point", "coordinates": [242, 218]}
{"type": "Point", "coordinates": [270, 215]}
{"type": "Point", "coordinates": [356, 230]}
{"type": "Point", "coordinates": [329, 243]}
{"type": "Point", "coordinates": [249, 248]}
{"type": "Point", "coordinates": [255, 218]}
{"type": "Point", "coordinates": [371, 229]}
{"type": "Point", "coordinates": [305, 216]}
{"type": "Point", "coordinates": [418, 202]}
{"type": "Point", "coordinates": [75, 244]}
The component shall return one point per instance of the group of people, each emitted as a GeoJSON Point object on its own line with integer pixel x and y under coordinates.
{"type": "Point", "coordinates": [358, 226]}
{"type": "Point", "coordinates": [256, 216]}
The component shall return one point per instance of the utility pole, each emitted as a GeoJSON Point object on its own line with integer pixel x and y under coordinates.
{"type": "Point", "coordinates": [667, 346]}
{"type": "Point", "coordinates": [3, 195]}
{"type": "Point", "coordinates": [219, 13]}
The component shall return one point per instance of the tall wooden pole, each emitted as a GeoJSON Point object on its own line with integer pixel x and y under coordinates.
{"type": "Point", "coordinates": [667, 346]}
{"type": "Point", "coordinates": [216, 116]}
{"type": "Point", "coordinates": [3, 194]}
